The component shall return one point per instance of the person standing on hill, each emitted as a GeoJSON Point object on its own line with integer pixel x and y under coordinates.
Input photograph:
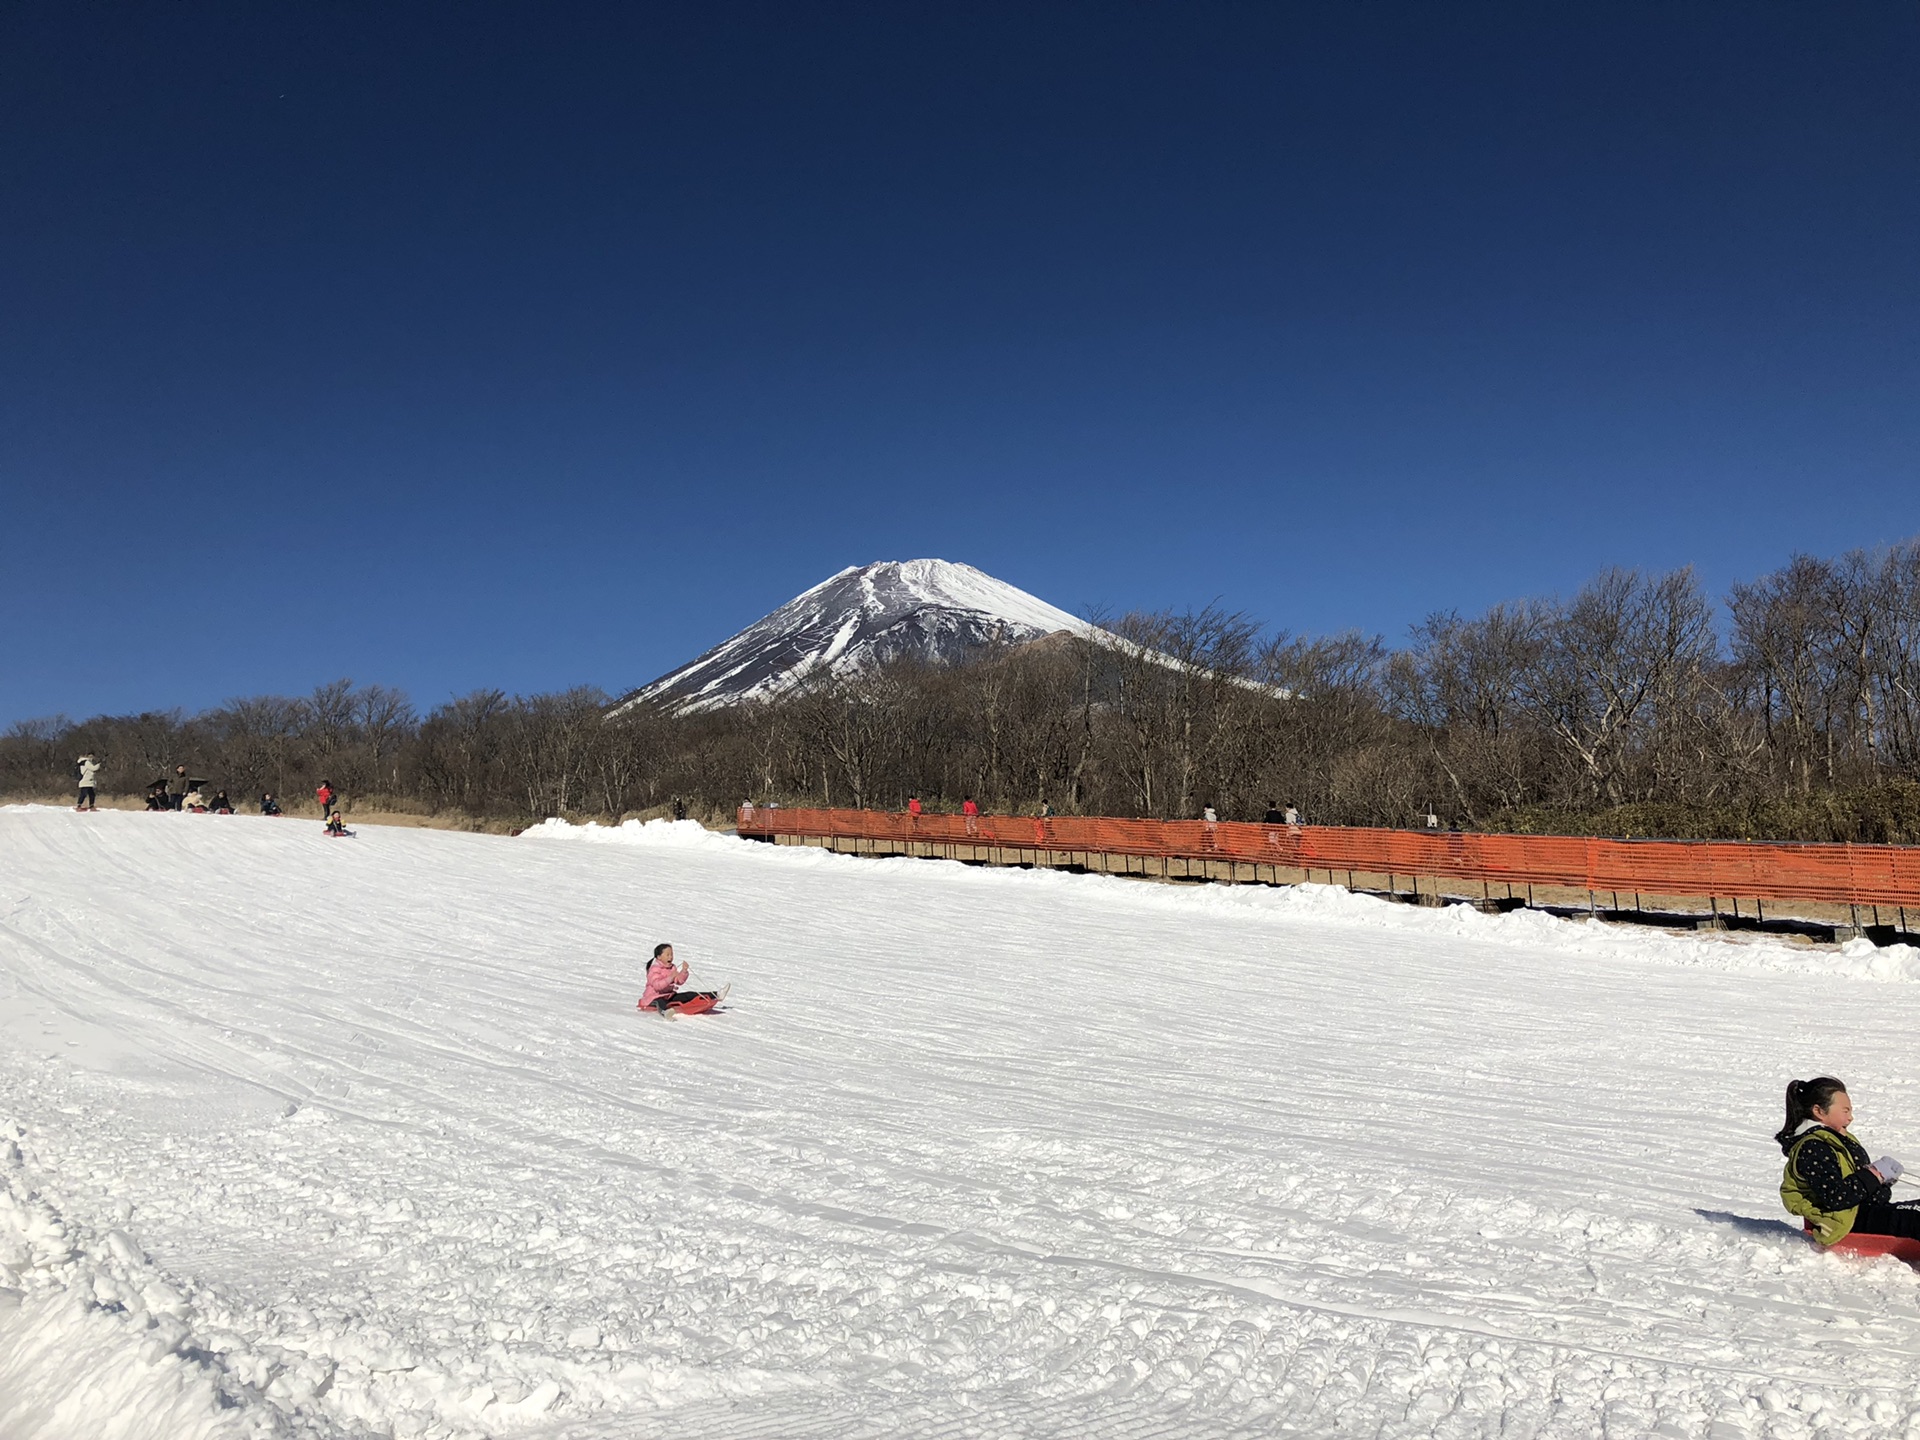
{"type": "Point", "coordinates": [972, 813]}
{"type": "Point", "coordinates": [177, 790]}
{"type": "Point", "coordinates": [326, 795]}
{"type": "Point", "coordinates": [88, 768]}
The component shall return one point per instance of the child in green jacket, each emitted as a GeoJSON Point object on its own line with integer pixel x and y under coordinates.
{"type": "Point", "coordinates": [1829, 1180]}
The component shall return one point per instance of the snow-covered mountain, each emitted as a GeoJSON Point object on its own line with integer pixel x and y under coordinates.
{"type": "Point", "coordinates": [934, 610]}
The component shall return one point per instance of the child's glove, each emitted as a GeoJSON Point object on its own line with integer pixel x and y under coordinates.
{"type": "Point", "coordinates": [1889, 1169]}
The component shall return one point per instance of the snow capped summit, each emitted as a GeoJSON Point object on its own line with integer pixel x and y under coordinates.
{"type": "Point", "coordinates": [934, 610]}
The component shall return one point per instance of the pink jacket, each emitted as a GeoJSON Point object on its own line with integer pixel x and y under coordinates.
{"type": "Point", "coordinates": [662, 979]}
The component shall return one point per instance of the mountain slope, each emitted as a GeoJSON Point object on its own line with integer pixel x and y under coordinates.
{"type": "Point", "coordinates": [933, 610]}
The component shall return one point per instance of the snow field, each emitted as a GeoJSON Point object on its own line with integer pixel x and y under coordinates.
{"type": "Point", "coordinates": [341, 1138]}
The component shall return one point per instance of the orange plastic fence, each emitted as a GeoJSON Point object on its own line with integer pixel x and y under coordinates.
{"type": "Point", "coordinates": [1848, 874]}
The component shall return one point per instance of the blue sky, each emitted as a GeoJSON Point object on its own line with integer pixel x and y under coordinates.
{"type": "Point", "coordinates": [451, 346]}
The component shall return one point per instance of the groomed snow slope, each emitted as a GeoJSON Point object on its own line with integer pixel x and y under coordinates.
{"type": "Point", "coordinates": [364, 1137]}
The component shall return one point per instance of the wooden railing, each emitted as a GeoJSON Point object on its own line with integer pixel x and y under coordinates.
{"type": "Point", "coordinates": [1842, 873]}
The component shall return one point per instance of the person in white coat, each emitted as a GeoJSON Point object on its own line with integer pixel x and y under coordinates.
{"type": "Point", "coordinates": [88, 768]}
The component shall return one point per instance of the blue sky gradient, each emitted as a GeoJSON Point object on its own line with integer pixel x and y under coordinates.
{"type": "Point", "coordinates": [451, 346]}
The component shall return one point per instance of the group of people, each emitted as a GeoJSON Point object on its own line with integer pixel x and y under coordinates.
{"type": "Point", "coordinates": [1275, 814]}
{"type": "Point", "coordinates": [969, 811]}
{"type": "Point", "coordinates": [183, 792]}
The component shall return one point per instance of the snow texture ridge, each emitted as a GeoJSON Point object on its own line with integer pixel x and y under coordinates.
{"type": "Point", "coordinates": [321, 1140]}
{"type": "Point", "coordinates": [933, 610]}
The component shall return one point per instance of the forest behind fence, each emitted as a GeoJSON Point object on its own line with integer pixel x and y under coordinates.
{"type": "Point", "coordinates": [1633, 708]}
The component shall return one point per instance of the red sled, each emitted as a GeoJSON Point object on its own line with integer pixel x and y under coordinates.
{"type": "Point", "coordinates": [1900, 1247]}
{"type": "Point", "coordinates": [699, 1005]}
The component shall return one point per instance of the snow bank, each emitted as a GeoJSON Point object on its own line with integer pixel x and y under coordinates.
{"type": "Point", "coordinates": [672, 834]}
{"type": "Point", "coordinates": [1534, 929]}
{"type": "Point", "coordinates": [95, 1344]}
{"type": "Point", "coordinates": [98, 1343]}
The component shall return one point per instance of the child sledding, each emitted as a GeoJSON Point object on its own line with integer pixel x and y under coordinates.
{"type": "Point", "coordinates": [663, 994]}
{"type": "Point", "coordinates": [1842, 1195]}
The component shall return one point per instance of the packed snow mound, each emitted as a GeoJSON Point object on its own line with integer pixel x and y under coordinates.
{"type": "Point", "coordinates": [931, 610]}
{"type": "Point", "coordinates": [96, 1343]}
{"type": "Point", "coordinates": [675, 834]}
{"type": "Point", "coordinates": [337, 1141]}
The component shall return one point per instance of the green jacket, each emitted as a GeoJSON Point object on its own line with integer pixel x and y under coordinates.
{"type": "Point", "coordinates": [1828, 1226]}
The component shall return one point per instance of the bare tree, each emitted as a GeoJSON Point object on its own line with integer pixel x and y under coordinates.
{"type": "Point", "coordinates": [1896, 666]}
{"type": "Point", "coordinates": [1615, 708]}
{"type": "Point", "coordinates": [1784, 642]}
{"type": "Point", "coordinates": [1462, 684]}
{"type": "Point", "coordinates": [1626, 648]}
{"type": "Point", "coordinates": [383, 719]}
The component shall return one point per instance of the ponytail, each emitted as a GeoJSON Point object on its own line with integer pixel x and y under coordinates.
{"type": "Point", "coordinates": [1802, 1097]}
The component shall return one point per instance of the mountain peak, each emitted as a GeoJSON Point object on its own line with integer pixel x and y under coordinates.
{"type": "Point", "coordinates": [938, 611]}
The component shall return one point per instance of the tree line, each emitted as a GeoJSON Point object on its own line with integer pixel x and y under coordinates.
{"type": "Point", "coordinates": [1635, 707]}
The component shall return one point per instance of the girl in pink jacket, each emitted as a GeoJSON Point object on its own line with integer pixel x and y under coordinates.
{"type": "Point", "coordinates": [664, 977]}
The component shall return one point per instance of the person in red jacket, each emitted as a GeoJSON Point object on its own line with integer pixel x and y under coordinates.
{"type": "Point", "coordinates": [913, 805]}
{"type": "Point", "coordinates": [326, 795]}
{"type": "Point", "coordinates": [972, 812]}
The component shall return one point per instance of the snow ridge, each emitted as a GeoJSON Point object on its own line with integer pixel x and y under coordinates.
{"type": "Point", "coordinates": [934, 610]}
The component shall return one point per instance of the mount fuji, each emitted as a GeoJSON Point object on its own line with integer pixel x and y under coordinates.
{"type": "Point", "coordinates": [932, 610]}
